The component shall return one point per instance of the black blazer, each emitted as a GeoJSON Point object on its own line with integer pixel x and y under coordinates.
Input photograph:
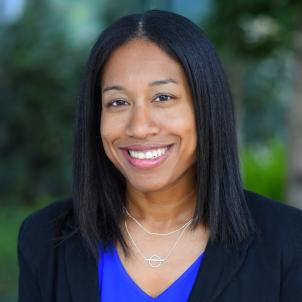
{"type": "Point", "coordinates": [269, 269]}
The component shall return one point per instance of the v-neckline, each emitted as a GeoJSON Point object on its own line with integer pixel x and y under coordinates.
{"type": "Point", "coordinates": [140, 291]}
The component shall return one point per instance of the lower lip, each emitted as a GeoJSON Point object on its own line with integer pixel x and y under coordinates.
{"type": "Point", "coordinates": [146, 163]}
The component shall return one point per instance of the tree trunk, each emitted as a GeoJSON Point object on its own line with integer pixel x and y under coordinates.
{"type": "Point", "coordinates": [294, 179]}
{"type": "Point", "coordinates": [235, 72]}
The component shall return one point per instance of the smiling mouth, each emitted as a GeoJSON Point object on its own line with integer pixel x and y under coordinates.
{"type": "Point", "coordinates": [148, 158]}
{"type": "Point", "coordinates": [148, 154]}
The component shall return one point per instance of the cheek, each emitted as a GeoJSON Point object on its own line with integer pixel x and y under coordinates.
{"type": "Point", "coordinates": [182, 123]}
{"type": "Point", "coordinates": [111, 130]}
{"type": "Point", "coordinates": [108, 127]}
{"type": "Point", "coordinates": [187, 133]}
{"type": "Point", "coordinates": [107, 132]}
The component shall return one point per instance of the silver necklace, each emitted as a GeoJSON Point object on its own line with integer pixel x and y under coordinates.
{"type": "Point", "coordinates": [159, 234]}
{"type": "Point", "coordinates": [155, 260]}
{"type": "Point", "coordinates": [153, 233]}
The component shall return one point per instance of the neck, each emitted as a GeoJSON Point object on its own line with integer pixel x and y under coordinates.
{"type": "Point", "coordinates": [162, 209]}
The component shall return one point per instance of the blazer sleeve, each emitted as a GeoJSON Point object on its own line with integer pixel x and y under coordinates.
{"type": "Point", "coordinates": [28, 286]}
{"type": "Point", "coordinates": [291, 286]}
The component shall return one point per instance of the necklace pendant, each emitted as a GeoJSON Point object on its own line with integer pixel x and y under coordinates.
{"type": "Point", "coordinates": [155, 261]}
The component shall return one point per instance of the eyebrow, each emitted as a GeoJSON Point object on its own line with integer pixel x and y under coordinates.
{"type": "Point", "coordinates": [155, 83]}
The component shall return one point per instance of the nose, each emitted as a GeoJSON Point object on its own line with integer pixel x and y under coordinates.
{"type": "Point", "coordinates": [141, 123]}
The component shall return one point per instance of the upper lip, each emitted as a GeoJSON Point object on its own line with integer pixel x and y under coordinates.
{"type": "Point", "coordinates": [141, 147]}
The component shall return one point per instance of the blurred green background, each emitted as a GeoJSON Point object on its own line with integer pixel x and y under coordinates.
{"type": "Point", "coordinates": [43, 49]}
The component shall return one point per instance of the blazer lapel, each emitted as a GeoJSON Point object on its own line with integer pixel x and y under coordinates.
{"type": "Point", "coordinates": [217, 269]}
{"type": "Point", "coordinates": [82, 272]}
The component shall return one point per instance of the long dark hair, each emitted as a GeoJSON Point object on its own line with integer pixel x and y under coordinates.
{"type": "Point", "coordinates": [99, 188]}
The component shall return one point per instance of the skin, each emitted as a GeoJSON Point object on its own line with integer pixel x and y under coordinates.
{"type": "Point", "coordinates": [140, 113]}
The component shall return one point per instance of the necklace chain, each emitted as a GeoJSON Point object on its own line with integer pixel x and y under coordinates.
{"type": "Point", "coordinates": [155, 260]}
{"type": "Point", "coordinates": [160, 234]}
{"type": "Point", "coordinates": [154, 233]}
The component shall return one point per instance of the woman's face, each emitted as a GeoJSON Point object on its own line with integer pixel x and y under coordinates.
{"type": "Point", "coordinates": [147, 123]}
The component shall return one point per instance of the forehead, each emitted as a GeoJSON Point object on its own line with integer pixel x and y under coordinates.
{"type": "Point", "coordinates": [141, 60]}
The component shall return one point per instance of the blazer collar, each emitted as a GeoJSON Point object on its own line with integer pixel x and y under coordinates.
{"type": "Point", "coordinates": [219, 266]}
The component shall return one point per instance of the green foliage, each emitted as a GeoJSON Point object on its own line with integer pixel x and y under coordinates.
{"type": "Point", "coordinates": [255, 39]}
{"type": "Point", "coordinates": [116, 9]}
{"type": "Point", "coordinates": [39, 79]}
{"type": "Point", "coordinates": [263, 169]}
{"type": "Point", "coordinates": [253, 29]}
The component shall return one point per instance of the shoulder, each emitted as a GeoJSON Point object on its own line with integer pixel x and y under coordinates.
{"type": "Point", "coordinates": [46, 218]}
{"type": "Point", "coordinates": [40, 229]}
{"type": "Point", "coordinates": [279, 227]}
{"type": "Point", "coordinates": [268, 213]}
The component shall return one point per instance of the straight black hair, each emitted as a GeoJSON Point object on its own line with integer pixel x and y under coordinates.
{"type": "Point", "coordinates": [99, 188]}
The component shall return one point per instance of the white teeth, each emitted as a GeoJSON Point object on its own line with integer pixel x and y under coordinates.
{"type": "Point", "coordinates": [149, 154]}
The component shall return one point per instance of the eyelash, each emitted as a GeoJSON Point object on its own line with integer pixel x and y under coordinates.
{"type": "Point", "coordinates": [165, 95]}
{"type": "Point", "coordinates": [110, 104]}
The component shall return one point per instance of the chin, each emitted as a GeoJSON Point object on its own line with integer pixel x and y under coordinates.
{"type": "Point", "coordinates": [149, 186]}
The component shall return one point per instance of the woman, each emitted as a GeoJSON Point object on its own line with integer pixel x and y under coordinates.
{"type": "Point", "coordinates": [158, 212]}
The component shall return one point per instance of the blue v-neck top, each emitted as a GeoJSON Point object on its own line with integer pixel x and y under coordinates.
{"type": "Point", "coordinates": [115, 283]}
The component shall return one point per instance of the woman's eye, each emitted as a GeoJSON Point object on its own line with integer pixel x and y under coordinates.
{"type": "Point", "coordinates": [163, 97]}
{"type": "Point", "coordinates": [116, 103]}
